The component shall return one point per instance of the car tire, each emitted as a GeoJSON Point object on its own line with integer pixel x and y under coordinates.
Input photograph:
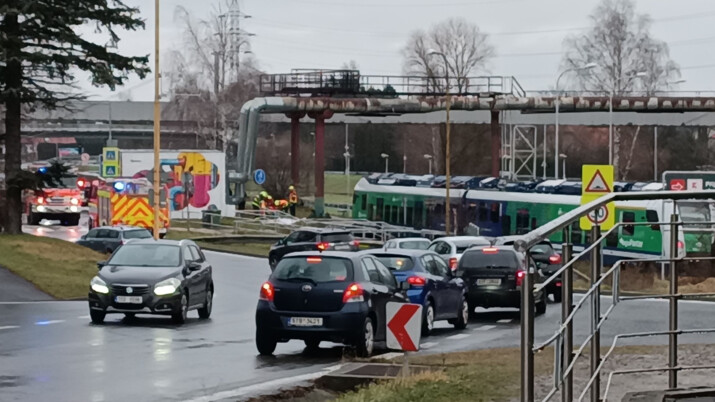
{"type": "Point", "coordinates": [180, 316]}
{"type": "Point", "coordinates": [463, 315]}
{"type": "Point", "coordinates": [541, 306]}
{"type": "Point", "coordinates": [365, 343]}
{"type": "Point", "coordinates": [428, 319]}
{"type": "Point", "coordinates": [97, 317]}
{"type": "Point", "coordinates": [205, 310]}
{"type": "Point", "coordinates": [265, 343]}
{"type": "Point", "coordinates": [557, 296]}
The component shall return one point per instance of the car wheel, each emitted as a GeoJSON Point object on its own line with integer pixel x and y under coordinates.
{"type": "Point", "coordinates": [557, 296]}
{"type": "Point", "coordinates": [463, 318]}
{"type": "Point", "coordinates": [541, 305]}
{"type": "Point", "coordinates": [428, 319]}
{"type": "Point", "coordinates": [180, 316]}
{"type": "Point", "coordinates": [265, 343]}
{"type": "Point", "coordinates": [312, 345]}
{"type": "Point", "coordinates": [97, 317]}
{"type": "Point", "coordinates": [272, 261]}
{"type": "Point", "coordinates": [366, 341]}
{"type": "Point", "coordinates": [205, 311]}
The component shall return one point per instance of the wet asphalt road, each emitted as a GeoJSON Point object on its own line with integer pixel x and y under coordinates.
{"type": "Point", "coordinates": [50, 351]}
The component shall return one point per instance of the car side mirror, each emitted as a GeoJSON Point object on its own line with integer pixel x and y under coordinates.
{"type": "Point", "coordinates": [193, 266]}
{"type": "Point", "coordinates": [101, 264]}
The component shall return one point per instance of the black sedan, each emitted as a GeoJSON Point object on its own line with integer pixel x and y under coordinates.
{"type": "Point", "coordinates": [153, 277]}
{"type": "Point", "coordinates": [546, 259]}
{"type": "Point", "coordinates": [330, 296]}
{"type": "Point", "coordinates": [106, 239]}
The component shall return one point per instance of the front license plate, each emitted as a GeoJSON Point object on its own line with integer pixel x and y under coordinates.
{"type": "Point", "coordinates": [129, 299]}
{"type": "Point", "coordinates": [305, 322]}
{"type": "Point", "coordinates": [488, 282]}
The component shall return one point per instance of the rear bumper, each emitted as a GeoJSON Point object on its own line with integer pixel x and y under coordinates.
{"type": "Point", "coordinates": [341, 326]}
{"type": "Point", "coordinates": [485, 297]}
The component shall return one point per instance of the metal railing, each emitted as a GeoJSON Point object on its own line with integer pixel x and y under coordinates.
{"type": "Point", "coordinates": [565, 357]}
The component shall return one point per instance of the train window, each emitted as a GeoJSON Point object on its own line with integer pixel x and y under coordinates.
{"type": "Point", "coordinates": [379, 213]}
{"type": "Point", "coordinates": [370, 212]}
{"type": "Point", "coordinates": [628, 230]}
{"type": "Point", "coordinates": [363, 204]}
{"type": "Point", "coordinates": [495, 213]}
{"type": "Point", "coordinates": [419, 222]}
{"type": "Point", "coordinates": [522, 221]}
{"type": "Point", "coordinates": [355, 199]}
{"type": "Point", "coordinates": [482, 212]}
{"type": "Point", "coordinates": [533, 224]}
{"type": "Point", "coordinates": [506, 225]}
{"type": "Point", "coordinates": [652, 216]}
{"type": "Point", "coordinates": [410, 219]}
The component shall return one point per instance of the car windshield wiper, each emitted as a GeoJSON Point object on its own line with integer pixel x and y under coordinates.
{"type": "Point", "coordinates": [301, 279]}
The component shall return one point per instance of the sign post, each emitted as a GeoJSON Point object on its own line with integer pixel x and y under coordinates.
{"type": "Point", "coordinates": [597, 181]}
{"type": "Point", "coordinates": [404, 327]}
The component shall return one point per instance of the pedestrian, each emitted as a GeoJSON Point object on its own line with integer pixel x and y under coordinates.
{"type": "Point", "coordinates": [282, 205]}
{"type": "Point", "coordinates": [292, 199]}
{"type": "Point", "coordinates": [257, 201]}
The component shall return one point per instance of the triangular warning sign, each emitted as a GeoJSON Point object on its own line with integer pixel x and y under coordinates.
{"type": "Point", "coordinates": [597, 184]}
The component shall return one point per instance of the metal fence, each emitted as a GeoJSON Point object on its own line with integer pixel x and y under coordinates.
{"type": "Point", "coordinates": [565, 357]}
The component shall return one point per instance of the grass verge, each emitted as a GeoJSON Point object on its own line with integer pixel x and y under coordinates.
{"type": "Point", "coordinates": [59, 268]}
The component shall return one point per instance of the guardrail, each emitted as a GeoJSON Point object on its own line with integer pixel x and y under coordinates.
{"type": "Point", "coordinates": [564, 356]}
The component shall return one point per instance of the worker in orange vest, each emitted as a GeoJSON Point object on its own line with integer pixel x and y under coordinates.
{"type": "Point", "coordinates": [281, 205]}
{"type": "Point", "coordinates": [292, 199]}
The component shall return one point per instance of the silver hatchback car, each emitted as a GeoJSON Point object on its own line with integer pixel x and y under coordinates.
{"type": "Point", "coordinates": [452, 248]}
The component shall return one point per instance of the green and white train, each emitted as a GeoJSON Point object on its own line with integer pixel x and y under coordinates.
{"type": "Point", "coordinates": [500, 213]}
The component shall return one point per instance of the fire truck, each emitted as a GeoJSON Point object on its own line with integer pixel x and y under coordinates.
{"type": "Point", "coordinates": [123, 201]}
{"type": "Point", "coordinates": [62, 203]}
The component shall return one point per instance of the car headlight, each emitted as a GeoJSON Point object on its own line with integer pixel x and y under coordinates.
{"type": "Point", "coordinates": [99, 286]}
{"type": "Point", "coordinates": [167, 287]}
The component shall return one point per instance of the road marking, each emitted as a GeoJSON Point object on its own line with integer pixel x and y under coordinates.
{"type": "Point", "coordinates": [505, 321]}
{"type": "Point", "coordinates": [49, 322]}
{"type": "Point", "coordinates": [268, 385]}
{"type": "Point", "coordinates": [428, 345]}
{"type": "Point", "coordinates": [485, 328]}
{"type": "Point", "coordinates": [458, 336]}
{"type": "Point", "coordinates": [83, 317]}
{"type": "Point", "coordinates": [9, 327]}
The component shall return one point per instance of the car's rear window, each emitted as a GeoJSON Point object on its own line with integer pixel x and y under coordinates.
{"type": "Point", "coordinates": [463, 245]}
{"type": "Point", "coordinates": [542, 248]}
{"type": "Point", "coordinates": [414, 245]}
{"type": "Point", "coordinates": [337, 237]}
{"type": "Point", "coordinates": [396, 262]}
{"type": "Point", "coordinates": [315, 268]}
{"type": "Point", "coordinates": [147, 255]}
{"type": "Point", "coordinates": [480, 259]}
{"type": "Point", "coordinates": [137, 234]}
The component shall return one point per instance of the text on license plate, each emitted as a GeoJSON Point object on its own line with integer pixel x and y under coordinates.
{"type": "Point", "coordinates": [306, 321]}
{"type": "Point", "coordinates": [487, 282]}
{"type": "Point", "coordinates": [129, 299]}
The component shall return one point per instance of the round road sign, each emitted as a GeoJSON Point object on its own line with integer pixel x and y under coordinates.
{"type": "Point", "coordinates": [599, 216]}
{"type": "Point", "coordinates": [259, 176]}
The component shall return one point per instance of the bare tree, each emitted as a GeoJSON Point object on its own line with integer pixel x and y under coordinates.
{"type": "Point", "coordinates": [628, 60]}
{"type": "Point", "coordinates": [465, 47]}
{"type": "Point", "coordinates": [350, 65]}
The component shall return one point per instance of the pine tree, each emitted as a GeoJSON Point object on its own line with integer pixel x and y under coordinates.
{"type": "Point", "coordinates": [41, 52]}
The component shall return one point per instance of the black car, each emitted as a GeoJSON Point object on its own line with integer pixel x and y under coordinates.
{"type": "Point", "coordinates": [330, 296]}
{"type": "Point", "coordinates": [494, 275]}
{"type": "Point", "coordinates": [546, 259]}
{"type": "Point", "coordinates": [106, 239]}
{"type": "Point", "coordinates": [312, 239]}
{"type": "Point", "coordinates": [163, 277]}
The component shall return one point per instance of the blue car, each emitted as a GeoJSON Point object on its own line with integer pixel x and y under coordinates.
{"type": "Point", "coordinates": [432, 284]}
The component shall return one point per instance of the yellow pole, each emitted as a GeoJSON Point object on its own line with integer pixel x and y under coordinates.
{"type": "Point", "coordinates": [448, 205]}
{"type": "Point", "coordinates": [157, 123]}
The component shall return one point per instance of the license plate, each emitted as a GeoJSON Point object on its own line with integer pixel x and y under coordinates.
{"type": "Point", "coordinates": [488, 282]}
{"type": "Point", "coordinates": [129, 299]}
{"type": "Point", "coordinates": [305, 322]}
{"type": "Point", "coordinates": [342, 247]}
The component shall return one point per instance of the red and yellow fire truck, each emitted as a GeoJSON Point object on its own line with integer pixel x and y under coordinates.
{"type": "Point", "coordinates": [124, 201]}
{"type": "Point", "coordinates": [62, 203]}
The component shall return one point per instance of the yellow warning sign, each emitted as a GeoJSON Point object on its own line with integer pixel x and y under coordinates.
{"type": "Point", "coordinates": [597, 181]}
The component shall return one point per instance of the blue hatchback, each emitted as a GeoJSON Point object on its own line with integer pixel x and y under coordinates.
{"type": "Point", "coordinates": [432, 284]}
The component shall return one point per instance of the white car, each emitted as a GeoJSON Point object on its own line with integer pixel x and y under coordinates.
{"type": "Point", "coordinates": [452, 248]}
{"type": "Point", "coordinates": [410, 243]}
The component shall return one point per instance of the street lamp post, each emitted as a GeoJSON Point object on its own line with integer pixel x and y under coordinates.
{"type": "Point", "coordinates": [386, 157]}
{"type": "Point", "coordinates": [429, 160]}
{"type": "Point", "coordinates": [557, 102]}
{"type": "Point", "coordinates": [447, 158]}
{"type": "Point", "coordinates": [157, 122]}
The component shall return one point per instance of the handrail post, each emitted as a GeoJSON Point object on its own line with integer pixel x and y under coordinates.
{"type": "Point", "coordinates": [566, 308]}
{"type": "Point", "coordinates": [596, 263]}
{"type": "Point", "coordinates": [673, 324]}
{"type": "Point", "coordinates": [527, 336]}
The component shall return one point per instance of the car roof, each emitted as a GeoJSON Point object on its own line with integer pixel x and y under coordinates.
{"type": "Point", "coordinates": [510, 239]}
{"type": "Point", "coordinates": [121, 227]}
{"type": "Point", "coordinates": [404, 239]}
{"type": "Point", "coordinates": [499, 248]}
{"type": "Point", "coordinates": [164, 242]}
{"type": "Point", "coordinates": [339, 254]}
{"type": "Point", "coordinates": [462, 240]}
{"type": "Point", "coordinates": [321, 230]}
{"type": "Point", "coordinates": [398, 251]}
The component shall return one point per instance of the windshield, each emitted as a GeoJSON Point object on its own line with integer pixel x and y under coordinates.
{"type": "Point", "coordinates": [414, 245]}
{"type": "Point", "coordinates": [137, 234]}
{"type": "Point", "coordinates": [479, 259]}
{"type": "Point", "coordinates": [147, 255]}
{"type": "Point", "coordinates": [396, 262]}
{"type": "Point", "coordinates": [695, 212]}
{"type": "Point", "coordinates": [315, 269]}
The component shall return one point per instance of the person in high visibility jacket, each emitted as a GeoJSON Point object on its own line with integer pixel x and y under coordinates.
{"type": "Point", "coordinates": [282, 205]}
{"type": "Point", "coordinates": [260, 200]}
{"type": "Point", "coordinates": [292, 199]}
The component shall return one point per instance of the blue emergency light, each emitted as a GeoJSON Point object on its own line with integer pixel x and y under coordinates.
{"type": "Point", "coordinates": [119, 186]}
{"type": "Point", "coordinates": [42, 170]}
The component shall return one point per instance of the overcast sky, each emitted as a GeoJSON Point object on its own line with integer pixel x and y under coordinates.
{"type": "Point", "coordinates": [527, 34]}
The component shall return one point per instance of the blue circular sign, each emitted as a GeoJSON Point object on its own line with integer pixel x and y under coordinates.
{"type": "Point", "coordinates": [259, 176]}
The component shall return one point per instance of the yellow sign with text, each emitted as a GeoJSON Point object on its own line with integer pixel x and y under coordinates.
{"type": "Point", "coordinates": [597, 181]}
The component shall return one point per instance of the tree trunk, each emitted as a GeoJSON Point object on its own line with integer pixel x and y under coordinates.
{"type": "Point", "coordinates": [13, 119]}
{"type": "Point", "coordinates": [629, 161]}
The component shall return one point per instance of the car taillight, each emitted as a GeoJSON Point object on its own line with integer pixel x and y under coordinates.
{"type": "Point", "coordinates": [323, 246]}
{"type": "Point", "coordinates": [416, 281]}
{"type": "Point", "coordinates": [356, 243]}
{"type": "Point", "coordinates": [453, 263]}
{"type": "Point", "coordinates": [314, 260]}
{"type": "Point", "coordinates": [74, 201]}
{"type": "Point", "coordinates": [353, 293]}
{"type": "Point", "coordinates": [267, 292]}
{"type": "Point", "coordinates": [520, 277]}
{"type": "Point", "coordinates": [555, 259]}
{"type": "Point", "coordinates": [490, 250]}
{"type": "Point", "coordinates": [40, 200]}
